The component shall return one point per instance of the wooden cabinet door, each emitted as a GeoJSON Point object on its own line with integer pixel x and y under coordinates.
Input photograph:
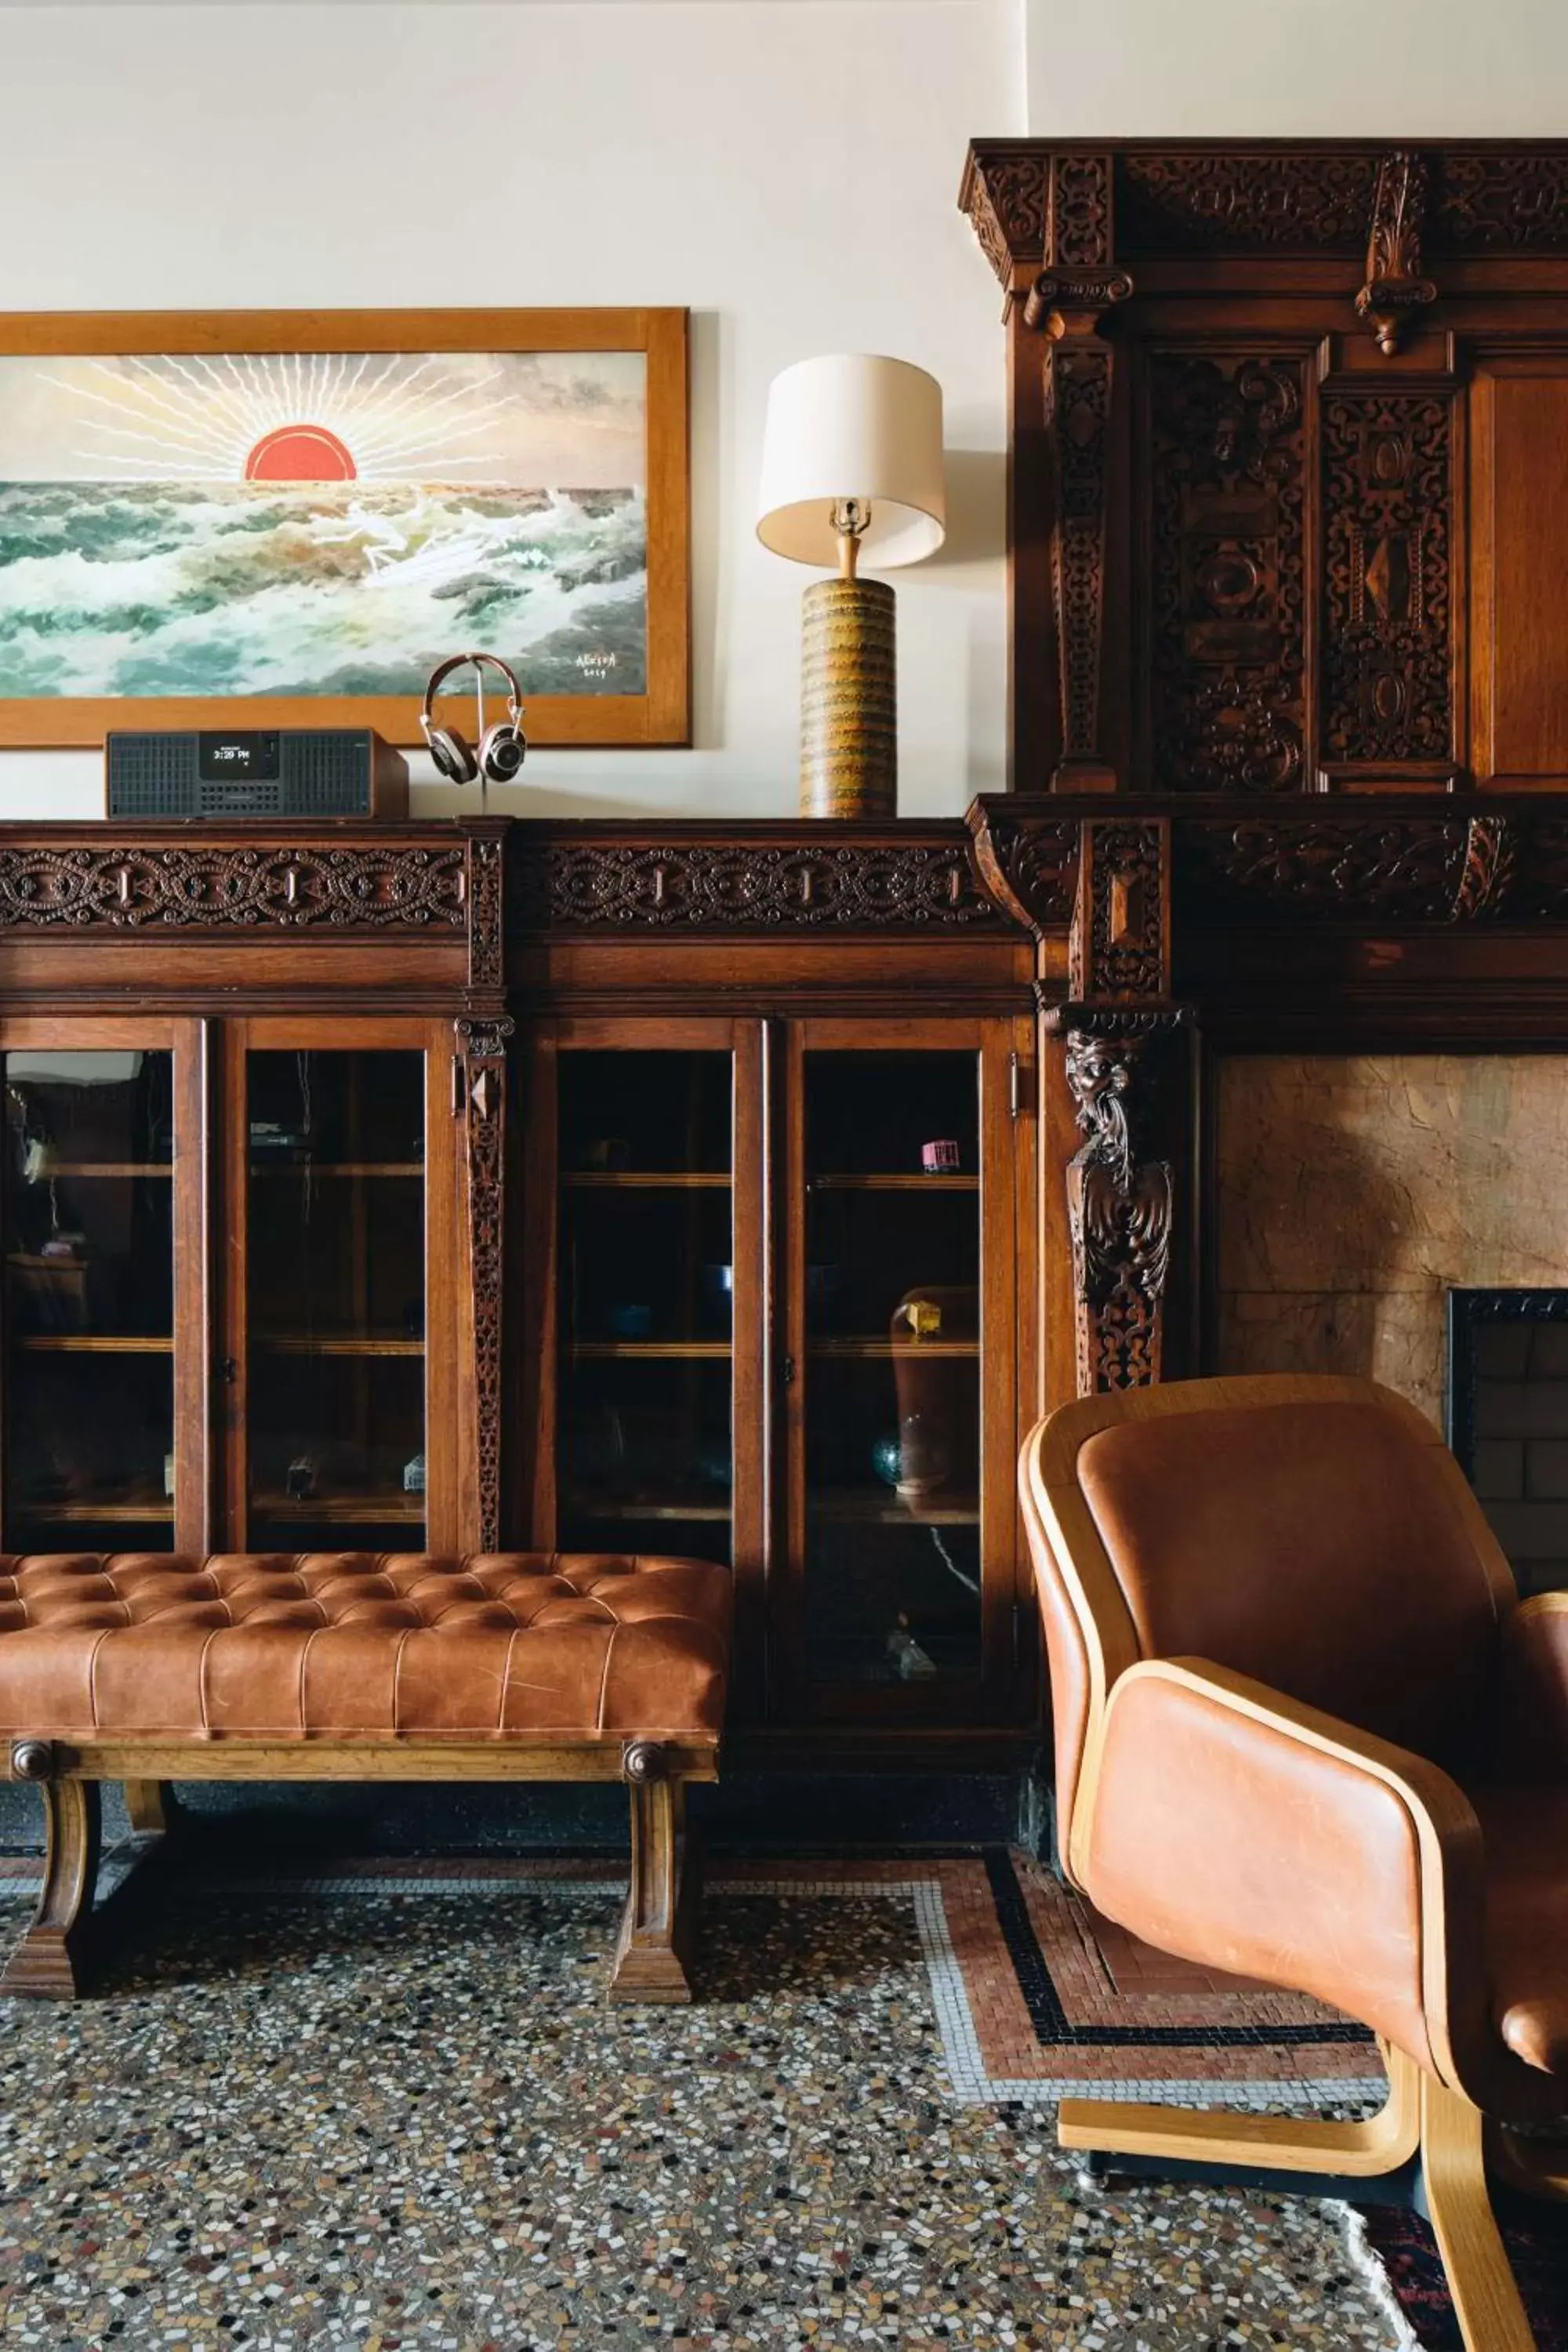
{"type": "Point", "coordinates": [901, 1371]}
{"type": "Point", "coordinates": [343, 1266]}
{"type": "Point", "coordinates": [642, 1348]}
{"type": "Point", "coordinates": [105, 1357]}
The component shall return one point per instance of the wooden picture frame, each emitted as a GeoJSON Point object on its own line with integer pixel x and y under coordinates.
{"type": "Point", "coordinates": [223, 410]}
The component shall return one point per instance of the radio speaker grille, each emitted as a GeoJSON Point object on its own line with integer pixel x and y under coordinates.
{"type": "Point", "coordinates": [322, 772]}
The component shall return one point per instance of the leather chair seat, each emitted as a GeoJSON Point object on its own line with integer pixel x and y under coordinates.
{"type": "Point", "coordinates": [1526, 1835]}
{"type": "Point", "coordinates": [346, 1645]}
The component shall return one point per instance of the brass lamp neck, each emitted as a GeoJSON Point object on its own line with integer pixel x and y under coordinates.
{"type": "Point", "coordinates": [851, 519]}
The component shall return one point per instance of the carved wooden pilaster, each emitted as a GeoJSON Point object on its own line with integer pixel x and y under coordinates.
{"type": "Point", "coordinates": [1394, 287]}
{"type": "Point", "coordinates": [1120, 1197]}
{"type": "Point", "coordinates": [1078, 421]}
{"type": "Point", "coordinates": [483, 1047]}
{"type": "Point", "coordinates": [1120, 949]}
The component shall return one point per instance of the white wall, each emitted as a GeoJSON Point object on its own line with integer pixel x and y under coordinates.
{"type": "Point", "coordinates": [1326, 69]}
{"type": "Point", "coordinates": [787, 168]}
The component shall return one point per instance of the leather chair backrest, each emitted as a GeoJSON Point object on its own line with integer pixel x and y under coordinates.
{"type": "Point", "coordinates": [1313, 1534]}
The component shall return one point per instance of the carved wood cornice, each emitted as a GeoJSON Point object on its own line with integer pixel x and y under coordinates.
{"type": "Point", "coordinates": [128, 885]}
{"type": "Point", "coordinates": [912, 879]}
{"type": "Point", "coordinates": [1272, 199]}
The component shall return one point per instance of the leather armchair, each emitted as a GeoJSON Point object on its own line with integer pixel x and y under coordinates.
{"type": "Point", "coordinates": [1306, 1731]}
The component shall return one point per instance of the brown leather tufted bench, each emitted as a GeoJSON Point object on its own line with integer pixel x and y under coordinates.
{"type": "Point", "coordinates": [146, 1667]}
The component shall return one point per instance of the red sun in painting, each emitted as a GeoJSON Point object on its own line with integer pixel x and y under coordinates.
{"type": "Point", "coordinates": [300, 453]}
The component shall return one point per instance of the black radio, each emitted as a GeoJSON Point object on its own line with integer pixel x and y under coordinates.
{"type": "Point", "coordinates": [303, 772]}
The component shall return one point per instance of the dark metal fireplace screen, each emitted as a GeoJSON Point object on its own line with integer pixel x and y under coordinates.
{"type": "Point", "coordinates": [1508, 1421]}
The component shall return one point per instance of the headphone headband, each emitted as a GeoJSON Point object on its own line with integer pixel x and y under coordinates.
{"type": "Point", "coordinates": [443, 671]}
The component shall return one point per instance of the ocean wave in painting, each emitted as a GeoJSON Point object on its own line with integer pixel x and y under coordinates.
{"type": "Point", "coordinates": [357, 588]}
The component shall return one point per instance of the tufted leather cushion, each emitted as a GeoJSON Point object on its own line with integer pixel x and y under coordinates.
{"type": "Point", "coordinates": [276, 1645]}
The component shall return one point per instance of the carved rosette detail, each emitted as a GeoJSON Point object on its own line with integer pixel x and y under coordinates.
{"type": "Point", "coordinates": [1028, 864]}
{"type": "Point", "coordinates": [486, 953]}
{"type": "Point", "coordinates": [1394, 287]}
{"type": "Point", "coordinates": [874, 886]}
{"type": "Point", "coordinates": [1118, 948]}
{"type": "Point", "coordinates": [131, 887]}
{"type": "Point", "coordinates": [1120, 1204]}
{"type": "Point", "coordinates": [1387, 493]}
{"type": "Point", "coordinates": [1077, 417]}
{"type": "Point", "coordinates": [1228, 689]}
{"type": "Point", "coordinates": [482, 1045]}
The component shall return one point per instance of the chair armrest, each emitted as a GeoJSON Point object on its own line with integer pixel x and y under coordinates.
{"type": "Point", "coordinates": [1230, 1824]}
{"type": "Point", "coordinates": [1533, 1723]}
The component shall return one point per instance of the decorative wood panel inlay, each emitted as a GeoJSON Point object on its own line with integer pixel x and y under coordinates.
{"type": "Point", "coordinates": [1119, 947]}
{"type": "Point", "coordinates": [1120, 1204]}
{"type": "Point", "coordinates": [1077, 417]}
{"type": "Point", "coordinates": [1501, 201]}
{"type": "Point", "coordinates": [1394, 287]}
{"type": "Point", "coordinates": [1005, 194]}
{"type": "Point", "coordinates": [1028, 863]}
{"type": "Point", "coordinates": [1367, 868]}
{"type": "Point", "coordinates": [132, 887]}
{"type": "Point", "coordinates": [1078, 228]}
{"type": "Point", "coordinates": [1387, 695]}
{"type": "Point", "coordinates": [487, 954]}
{"type": "Point", "coordinates": [1231, 200]}
{"type": "Point", "coordinates": [483, 1047]}
{"type": "Point", "coordinates": [1229, 690]}
{"type": "Point", "coordinates": [803, 885]}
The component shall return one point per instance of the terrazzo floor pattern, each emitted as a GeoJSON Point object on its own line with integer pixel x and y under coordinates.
{"type": "Point", "coordinates": [407, 2123]}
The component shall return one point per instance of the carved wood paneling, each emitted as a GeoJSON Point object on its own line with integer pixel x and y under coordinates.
{"type": "Point", "coordinates": [693, 886]}
{"type": "Point", "coordinates": [1078, 418]}
{"type": "Point", "coordinates": [1119, 947]}
{"type": "Point", "coordinates": [1238, 200]}
{"type": "Point", "coordinates": [1364, 869]}
{"type": "Point", "coordinates": [1005, 194]}
{"type": "Point", "coordinates": [1228, 686]}
{"type": "Point", "coordinates": [483, 1047]}
{"type": "Point", "coordinates": [1078, 218]}
{"type": "Point", "coordinates": [129, 887]}
{"type": "Point", "coordinates": [1386, 668]}
{"type": "Point", "coordinates": [1501, 200]}
{"type": "Point", "coordinates": [487, 954]}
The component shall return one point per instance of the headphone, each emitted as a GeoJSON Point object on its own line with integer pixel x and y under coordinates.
{"type": "Point", "coordinates": [502, 747]}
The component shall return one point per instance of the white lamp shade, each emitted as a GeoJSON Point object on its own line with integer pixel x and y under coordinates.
{"type": "Point", "coordinates": [853, 426]}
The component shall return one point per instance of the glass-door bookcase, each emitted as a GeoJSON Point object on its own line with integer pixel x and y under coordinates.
{"type": "Point", "coordinates": [901, 1309]}
{"type": "Point", "coordinates": [339, 1380]}
{"type": "Point", "coordinates": [101, 1401]}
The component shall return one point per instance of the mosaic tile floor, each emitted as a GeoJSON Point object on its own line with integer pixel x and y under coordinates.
{"type": "Point", "coordinates": [396, 2117]}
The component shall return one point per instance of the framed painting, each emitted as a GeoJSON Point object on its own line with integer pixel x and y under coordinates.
{"type": "Point", "coordinates": [286, 518]}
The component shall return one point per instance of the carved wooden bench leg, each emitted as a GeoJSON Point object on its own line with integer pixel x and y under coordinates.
{"type": "Point", "coordinates": [47, 1961]}
{"type": "Point", "coordinates": [649, 1952]}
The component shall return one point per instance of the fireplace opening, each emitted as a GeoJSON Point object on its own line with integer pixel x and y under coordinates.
{"type": "Point", "coordinates": [1508, 1422]}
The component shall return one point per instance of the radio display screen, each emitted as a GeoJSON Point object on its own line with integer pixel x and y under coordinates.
{"type": "Point", "coordinates": [248, 757]}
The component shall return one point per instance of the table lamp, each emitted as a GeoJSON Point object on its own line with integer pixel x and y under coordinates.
{"type": "Point", "coordinates": [851, 465]}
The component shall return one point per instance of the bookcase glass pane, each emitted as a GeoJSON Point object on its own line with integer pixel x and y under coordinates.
{"type": "Point", "coordinates": [89, 1301]}
{"type": "Point", "coordinates": [892, 1369]}
{"type": "Point", "coordinates": [644, 1308]}
{"type": "Point", "coordinates": [335, 1299]}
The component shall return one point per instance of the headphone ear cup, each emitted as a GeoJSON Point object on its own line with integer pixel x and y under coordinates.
{"type": "Point", "coordinates": [503, 753]}
{"type": "Point", "coordinates": [451, 755]}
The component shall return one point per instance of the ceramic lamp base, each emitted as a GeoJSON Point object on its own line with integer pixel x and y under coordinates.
{"type": "Point", "coordinates": [848, 700]}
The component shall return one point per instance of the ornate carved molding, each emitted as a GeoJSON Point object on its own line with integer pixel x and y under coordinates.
{"type": "Point", "coordinates": [1078, 211]}
{"type": "Point", "coordinates": [481, 1047]}
{"type": "Point", "coordinates": [1119, 947]}
{"type": "Point", "coordinates": [1121, 1201]}
{"type": "Point", "coordinates": [1370, 869]}
{"type": "Point", "coordinates": [131, 887]}
{"type": "Point", "coordinates": [1228, 640]}
{"type": "Point", "coordinates": [808, 885]}
{"type": "Point", "coordinates": [1394, 287]}
{"type": "Point", "coordinates": [1266, 199]}
{"type": "Point", "coordinates": [1078, 419]}
{"type": "Point", "coordinates": [487, 948]}
{"type": "Point", "coordinates": [1027, 863]}
{"type": "Point", "coordinates": [1386, 683]}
